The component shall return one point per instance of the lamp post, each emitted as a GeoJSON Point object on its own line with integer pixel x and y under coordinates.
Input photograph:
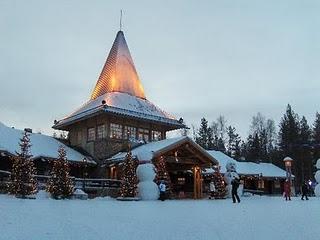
{"type": "Point", "coordinates": [288, 164]}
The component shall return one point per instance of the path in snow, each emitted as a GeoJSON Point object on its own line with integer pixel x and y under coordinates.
{"type": "Point", "coordinates": [254, 218]}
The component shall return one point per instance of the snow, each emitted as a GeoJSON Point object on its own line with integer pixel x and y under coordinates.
{"type": "Point", "coordinates": [248, 168]}
{"type": "Point", "coordinates": [146, 152]}
{"type": "Point", "coordinates": [147, 189]}
{"type": "Point", "coordinates": [120, 103]}
{"type": "Point", "coordinates": [42, 145]}
{"type": "Point", "coordinates": [317, 178]}
{"type": "Point", "coordinates": [101, 219]}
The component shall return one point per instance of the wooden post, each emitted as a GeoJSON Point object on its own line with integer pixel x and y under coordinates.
{"type": "Point", "coordinates": [197, 183]}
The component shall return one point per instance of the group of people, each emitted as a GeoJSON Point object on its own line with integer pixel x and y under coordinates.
{"type": "Point", "coordinates": [287, 190]}
{"type": "Point", "coordinates": [234, 190]}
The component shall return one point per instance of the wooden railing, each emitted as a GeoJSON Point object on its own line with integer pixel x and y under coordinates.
{"type": "Point", "coordinates": [89, 184]}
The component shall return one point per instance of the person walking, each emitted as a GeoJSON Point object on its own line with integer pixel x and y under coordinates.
{"type": "Point", "coordinates": [234, 191]}
{"type": "Point", "coordinates": [305, 190]}
{"type": "Point", "coordinates": [287, 190]}
{"type": "Point", "coordinates": [162, 188]}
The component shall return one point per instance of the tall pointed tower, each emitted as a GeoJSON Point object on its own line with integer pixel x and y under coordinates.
{"type": "Point", "coordinates": [117, 111]}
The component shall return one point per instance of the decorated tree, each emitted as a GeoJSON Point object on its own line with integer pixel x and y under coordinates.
{"type": "Point", "coordinates": [163, 174]}
{"type": "Point", "coordinates": [23, 182]}
{"type": "Point", "coordinates": [220, 186]}
{"type": "Point", "coordinates": [128, 188]}
{"type": "Point", "coordinates": [60, 184]}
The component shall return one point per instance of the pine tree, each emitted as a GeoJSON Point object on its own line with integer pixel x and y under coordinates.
{"type": "Point", "coordinates": [316, 136]}
{"type": "Point", "coordinates": [163, 174]}
{"type": "Point", "coordinates": [23, 172]}
{"type": "Point", "coordinates": [233, 146]}
{"type": "Point", "coordinates": [219, 184]}
{"type": "Point", "coordinates": [289, 141]}
{"type": "Point", "coordinates": [202, 134]}
{"type": "Point", "coordinates": [60, 184]}
{"type": "Point", "coordinates": [128, 187]}
{"type": "Point", "coordinates": [305, 153]}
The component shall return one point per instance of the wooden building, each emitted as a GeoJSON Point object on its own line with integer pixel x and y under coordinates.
{"type": "Point", "coordinates": [118, 110]}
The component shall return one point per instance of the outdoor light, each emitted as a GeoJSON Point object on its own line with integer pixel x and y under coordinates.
{"type": "Point", "coordinates": [288, 161]}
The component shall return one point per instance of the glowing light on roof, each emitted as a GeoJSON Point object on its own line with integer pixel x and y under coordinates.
{"type": "Point", "coordinates": [119, 73]}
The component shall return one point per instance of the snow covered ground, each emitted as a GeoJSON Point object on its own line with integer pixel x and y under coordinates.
{"type": "Point", "coordinates": [104, 218]}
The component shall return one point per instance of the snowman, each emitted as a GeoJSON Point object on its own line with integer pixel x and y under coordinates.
{"type": "Point", "coordinates": [317, 177]}
{"type": "Point", "coordinates": [230, 174]}
{"type": "Point", "coordinates": [147, 188]}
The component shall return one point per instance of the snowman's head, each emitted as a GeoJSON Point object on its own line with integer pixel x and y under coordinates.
{"type": "Point", "coordinates": [231, 166]}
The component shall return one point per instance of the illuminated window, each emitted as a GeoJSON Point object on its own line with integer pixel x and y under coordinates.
{"type": "Point", "coordinates": [115, 131]}
{"type": "Point", "coordinates": [261, 184]}
{"type": "Point", "coordinates": [101, 131]}
{"type": "Point", "coordinates": [129, 131]}
{"type": "Point", "coordinates": [156, 135]}
{"type": "Point", "coordinates": [143, 134]}
{"type": "Point", "coordinates": [91, 134]}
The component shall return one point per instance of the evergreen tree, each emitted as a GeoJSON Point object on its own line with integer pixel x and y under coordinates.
{"type": "Point", "coordinates": [253, 148]}
{"type": "Point", "coordinates": [23, 172]}
{"type": "Point", "coordinates": [289, 141]}
{"type": "Point", "coordinates": [316, 137]}
{"type": "Point", "coordinates": [60, 184]}
{"type": "Point", "coordinates": [202, 135]}
{"type": "Point", "coordinates": [304, 147]}
{"type": "Point", "coordinates": [128, 187]}
{"type": "Point", "coordinates": [163, 174]}
{"type": "Point", "coordinates": [233, 146]}
{"type": "Point", "coordinates": [219, 184]}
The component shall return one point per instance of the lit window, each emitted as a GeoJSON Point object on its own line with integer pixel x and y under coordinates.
{"type": "Point", "coordinates": [91, 134]}
{"type": "Point", "coordinates": [129, 132]}
{"type": "Point", "coordinates": [143, 135]}
{"type": "Point", "coordinates": [156, 135]}
{"type": "Point", "coordinates": [115, 131]}
{"type": "Point", "coordinates": [101, 131]}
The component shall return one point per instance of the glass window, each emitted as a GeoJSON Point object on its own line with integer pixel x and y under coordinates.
{"type": "Point", "coordinates": [156, 135]}
{"type": "Point", "coordinates": [143, 135]}
{"type": "Point", "coordinates": [91, 134]}
{"type": "Point", "coordinates": [129, 131]}
{"type": "Point", "coordinates": [101, 131]}
{"type": "Point", "coordinates": [115, 131]}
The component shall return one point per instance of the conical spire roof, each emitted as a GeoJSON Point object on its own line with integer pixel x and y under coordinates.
{"type": "Point", "coordinates": [119, 73]}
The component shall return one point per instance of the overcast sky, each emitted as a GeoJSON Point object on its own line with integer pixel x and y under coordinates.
{"type": "Point", "coordinates": [195, 58]}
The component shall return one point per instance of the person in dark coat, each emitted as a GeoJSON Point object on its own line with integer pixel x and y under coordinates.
{"type": "Point", "coordinates": [305, 190]}
{"type": "Point", "coordinates": [234, 191]}
{"type": "Point", "coordinates": [162, 188]}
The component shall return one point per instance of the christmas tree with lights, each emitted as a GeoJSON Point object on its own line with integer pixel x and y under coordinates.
{"type": "Point", "coordinates": [23, 172]}
{"type": "Point", "coordinates": [162, 174]}
{"type": "Point", "coordinates": [220, 186]}
{"type": "Point", "coordinates": [60, 184]}
{"type": "Point", "coordinates": [128, 188]}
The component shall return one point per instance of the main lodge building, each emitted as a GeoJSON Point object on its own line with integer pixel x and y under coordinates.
{"type": "Point", "coordinates": [118, 114]}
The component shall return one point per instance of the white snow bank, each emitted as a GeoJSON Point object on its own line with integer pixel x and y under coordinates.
{"type": "Point", "coordinates": [156, 220]}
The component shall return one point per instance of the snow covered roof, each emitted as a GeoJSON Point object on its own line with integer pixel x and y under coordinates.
{"type": "Point", "coordinates": [120, 104]}
{"type": "Point", "coordinates": [248, 168]}
{"type": "Point", "coordinates": [147, 152]}
{"type": "Point", "coordinates": [119, 91]}
{"type": "Point", "coordinates": [42, 145]}
{"type": "Point", "coordinates": [119, 73]}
